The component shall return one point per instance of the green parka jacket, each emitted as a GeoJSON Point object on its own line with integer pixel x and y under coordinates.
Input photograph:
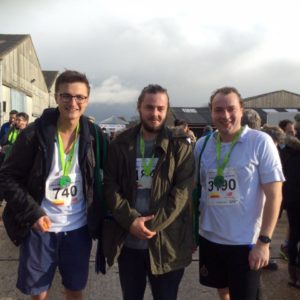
{"type": "Point", "coordinates": [171, 248]}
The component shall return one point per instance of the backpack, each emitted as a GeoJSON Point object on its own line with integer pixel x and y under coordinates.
{"type": "Point", "coordinates": [196, 197]}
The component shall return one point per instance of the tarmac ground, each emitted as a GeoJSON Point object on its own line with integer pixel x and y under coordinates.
{"type": "Point", "coordinates": [107, 287]}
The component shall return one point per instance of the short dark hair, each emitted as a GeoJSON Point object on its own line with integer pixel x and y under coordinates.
{"type": "Point", "coordinates": [70, 76]}
{"type": "Point", "coordinates": [276, 133]}
{"type": "Point", "coordinates": [23, 115]}
{"type": "Point", "coordinates": [152, 89]}
{"type": "Point", "coordinates": [225, 91]}
{"type": "Point", "coordinates": [283, 123]}
{"type": "Point", "coordinates": [180, 123]}
{"type": "Point", "coordinates": [13, 112]}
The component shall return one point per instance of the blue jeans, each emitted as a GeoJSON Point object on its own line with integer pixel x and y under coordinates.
{"type": "Point", "coordinates": [134, 268]}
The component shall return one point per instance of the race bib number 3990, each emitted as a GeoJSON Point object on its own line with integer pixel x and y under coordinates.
{"type": "Point", "coordinates": [228, 193]}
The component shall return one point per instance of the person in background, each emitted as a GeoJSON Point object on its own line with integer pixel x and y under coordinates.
{"type": "Point", "coordinates": [241, 178]}
{"type": "Point", "coordinates": [105, 134]}
{"type": "Point", "coordinates": [190, 134]}
{"type": "Point", "coordinates": [7, 141]}
{"type": "Point", "coordinates": [112, 136]}
{"type": "Point", "coordinates": [251, 118]}
{"type": "Point", "coordinates": [275, 132]}
{"type": "Point", "coordinates": [289, 129]}
{"type": "Point", "coordinates": [148, 182]}
{"type": "Point", "coordinates": [207, 130]}
{"type": "Point", "coordinates": [6, 126]}
{"type": "Point", "coordinates": [290, 156]}
{"type": "Point", "coordinates": [10, 137]}
{"type": "Point", "coordinates": [297, 125]}
{"type": "Point", "coordinates": [91, 119]}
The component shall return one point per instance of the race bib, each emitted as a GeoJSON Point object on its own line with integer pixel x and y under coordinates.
{"type": "Point", "coordinates": [228, 193]}
{"type": "Point", "coordinates": [67, 195]}
{"type": "Point", "coordinates": [144, 181]}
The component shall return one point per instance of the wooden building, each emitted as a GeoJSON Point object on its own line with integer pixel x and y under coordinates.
{"type": "Point", "coordinates": [277, 99]}
{"type": "Point", "coordinates": [50, 78]}
{"type": "Point", "coordinates": [22, 83]}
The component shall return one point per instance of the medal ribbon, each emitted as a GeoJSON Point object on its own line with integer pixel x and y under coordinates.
{"type": "Point", "coordinates": [146, 167]}
{"type": "Point", "coordinates": [66, 163]}
{"type": "Point", "coordinates": [221, 166]}
{"type": "Point", "coordinates": [13, 136]}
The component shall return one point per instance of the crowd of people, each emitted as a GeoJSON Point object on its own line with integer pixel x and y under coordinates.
{"type": "Point", "coordinates": [65, 184]}
{"type": "Point", "coordinates": [8, 134]}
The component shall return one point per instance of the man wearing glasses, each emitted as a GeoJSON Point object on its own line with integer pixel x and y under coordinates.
{"type": "Point", "coordinates": [52, 210]}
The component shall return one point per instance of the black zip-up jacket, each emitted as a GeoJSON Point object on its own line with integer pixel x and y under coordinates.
{"type": "Point", "coordinates": [24, 173]}
{"type": "Point", "coordinates": [290, 159]}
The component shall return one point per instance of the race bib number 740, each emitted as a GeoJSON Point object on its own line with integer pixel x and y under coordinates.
{"type": "Point", "coordinates": [62, 195]}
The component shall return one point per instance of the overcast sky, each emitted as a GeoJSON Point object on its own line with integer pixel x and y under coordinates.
{"type": "Point", "coordinates": [191, 47]}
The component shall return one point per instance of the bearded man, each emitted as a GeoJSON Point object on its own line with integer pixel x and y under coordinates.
{"type": "Point", "coordinates": [148, 181]}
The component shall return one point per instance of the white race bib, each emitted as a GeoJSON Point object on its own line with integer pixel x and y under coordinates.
{"type": "Point", "coordinates": [144, 181]}
{"type": "Point", "coordinates": [228, 193]}
{"type": "Point", "coordinates": [63, 195]}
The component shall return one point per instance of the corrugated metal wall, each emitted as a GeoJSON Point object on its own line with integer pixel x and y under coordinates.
{"type": "Point", "coordinates": [280, 99]}
{"type": "Point", "coordinates": [22, 72]}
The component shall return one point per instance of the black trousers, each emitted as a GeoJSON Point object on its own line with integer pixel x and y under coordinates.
{"type": "Point", "coordinates": [294, 238]}
{"type": "Point", "coordinates": [134, 268]}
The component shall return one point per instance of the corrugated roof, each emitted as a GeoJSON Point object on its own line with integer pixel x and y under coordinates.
{"type": "Point", "coordinates": [192, 115]}
{"type": "Point", "coordinates": [263, 111]}
{"type": "Point", "coordinates": [50, 77]}
{"type": "Point", "coordinates": [271, 93]}
{"type": "Point", "coordinates": [9, 41]}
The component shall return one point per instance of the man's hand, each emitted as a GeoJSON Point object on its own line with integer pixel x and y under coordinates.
{"type": "Point", "coordinates": [42, 224]}
{"type": "Point", "coordinates": [259, 256]}
{"type": "Point", "coordinates": [139, 230]}
{"type": "Point", "coordinates": [4, 149]}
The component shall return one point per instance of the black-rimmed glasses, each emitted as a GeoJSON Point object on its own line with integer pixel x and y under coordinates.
{"type": "Point", "coordinates": [65, 97]}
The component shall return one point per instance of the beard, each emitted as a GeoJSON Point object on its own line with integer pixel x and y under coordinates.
{"type": "Point", "coordinates": [153, 129]}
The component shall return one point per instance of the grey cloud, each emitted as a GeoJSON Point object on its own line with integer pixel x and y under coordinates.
{"type": "Point", "coordinates": [112, 90]}
{"type": "Point", "coordinates": [154, 52]}
{"type": "Point", "coordinates": [102, 111]}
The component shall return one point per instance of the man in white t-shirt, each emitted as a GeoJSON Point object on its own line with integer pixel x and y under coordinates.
{"type": "Point", "coordinates": [241, 178]}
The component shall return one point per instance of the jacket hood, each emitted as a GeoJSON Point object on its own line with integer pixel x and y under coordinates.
{"type": "Point", "coordinates": [292, 142]}
{"type": "Point", "coordinates": [48, 123]}
{"type": "Point", "coordinates": [47, 129]}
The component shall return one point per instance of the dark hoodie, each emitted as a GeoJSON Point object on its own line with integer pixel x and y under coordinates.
{"type": "Point", "coordinates": [290, 158]}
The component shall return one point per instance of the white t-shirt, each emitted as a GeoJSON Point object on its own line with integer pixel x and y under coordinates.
{"type": "Point", "coordinates": [66, 207]}
{"type": "Point", "coordinates": [232, 215]}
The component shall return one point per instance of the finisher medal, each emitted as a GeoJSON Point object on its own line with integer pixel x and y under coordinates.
{"type": "Point", "coordinates": [66, 163]}
{"type": "Point", "coordinates": [219, 181]}
{"type": "Point", "coordinates": [64, 181]}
